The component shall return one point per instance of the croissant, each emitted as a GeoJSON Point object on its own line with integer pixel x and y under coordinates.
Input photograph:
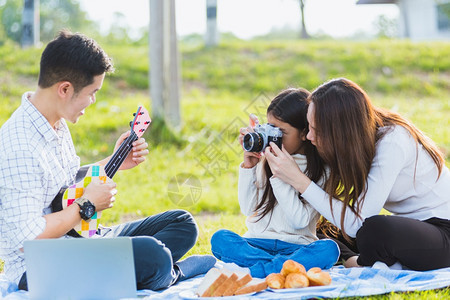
{"type": "Point", "coordinates": [317, 277]}
{"type": "Point", "coordinates": [291, 266]}
{"type": "Point", "coordinates": [296, 280]}
{"type": "Point", "coordinates": [275, 281]}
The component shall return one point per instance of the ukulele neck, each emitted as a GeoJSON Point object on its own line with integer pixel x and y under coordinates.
{"type": "Point", "coordinates": [119, 156]}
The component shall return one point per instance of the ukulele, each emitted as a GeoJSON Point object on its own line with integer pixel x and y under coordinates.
{"type": "Point", "coordinates": [97, 173]}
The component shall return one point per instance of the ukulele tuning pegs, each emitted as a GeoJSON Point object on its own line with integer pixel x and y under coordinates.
{"type": "Point", "coordinates": [141, 113]}
{"type": "Point", "coordinates": [134, 114]}
{"type": "Point", "coordinates": [131, 123]}
{"type": "Point", "coordinates": [141, 130]}
{"type": "Point", "coordinates": [147, 122]}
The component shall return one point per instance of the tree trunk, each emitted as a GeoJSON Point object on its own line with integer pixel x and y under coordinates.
{"type": "Point", "coordinates": [165, 80]}
{"type": "Point", "coordinates": [303, 34]}
{"type": "Point", "coordinates": [212, 36]}
{"type": "Point", "coordinates": [30, 23]}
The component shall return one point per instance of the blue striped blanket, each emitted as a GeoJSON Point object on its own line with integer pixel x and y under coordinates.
{"type": "Point", "coordinates": [345, 282]}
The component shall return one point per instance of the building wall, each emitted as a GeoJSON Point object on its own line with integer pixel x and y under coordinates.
{"type": "Point", "coordinates": [418, 20]}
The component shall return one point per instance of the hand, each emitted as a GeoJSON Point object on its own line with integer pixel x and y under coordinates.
{"type": "Point", "coordinates": [137, 154]}
{"type": "Point", "coordinates": [102, 195]}
{"type": "Point", "coordinates": [250, 158]}
{"type": "Point", "coordinates": [284, 167]}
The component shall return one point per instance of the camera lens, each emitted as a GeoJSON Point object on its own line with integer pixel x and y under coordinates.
{"type": "Point", "coordinates": [253, 142]}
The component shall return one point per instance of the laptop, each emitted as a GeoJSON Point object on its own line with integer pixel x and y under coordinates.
{"type": "Point", "coordinates": [80, 268]}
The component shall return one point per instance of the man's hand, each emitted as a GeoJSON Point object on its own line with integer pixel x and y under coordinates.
{"type": "Point", "coordinates": [137, 154]}
{"type": "Point", "coordinates": [102, 195]}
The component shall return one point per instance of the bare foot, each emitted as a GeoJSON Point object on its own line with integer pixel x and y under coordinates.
{"type": "Point", "coordinates": [351, 262]}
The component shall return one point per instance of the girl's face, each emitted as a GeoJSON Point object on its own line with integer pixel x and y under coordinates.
{"type": "Point", "coordinates": [292, 137]}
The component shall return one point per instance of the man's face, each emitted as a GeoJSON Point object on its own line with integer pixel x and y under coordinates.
{"type": "Point", "coordinates": [81, 100]}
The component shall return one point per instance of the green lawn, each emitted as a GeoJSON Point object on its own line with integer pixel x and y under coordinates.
{"type": "Point", "coordinates": [220, 87]}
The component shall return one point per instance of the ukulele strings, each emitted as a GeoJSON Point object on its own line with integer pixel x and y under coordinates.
{"type": "Point", "coordinates": [113, 165]}
{"type": "Point", "coordinates": [119, 156]}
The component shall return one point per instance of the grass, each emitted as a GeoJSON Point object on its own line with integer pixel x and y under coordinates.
{"type": "Point", "coordinates": [220, 87]}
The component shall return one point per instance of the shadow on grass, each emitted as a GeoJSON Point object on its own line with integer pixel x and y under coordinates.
{"type": "Point", "coordinates": [161, 133]}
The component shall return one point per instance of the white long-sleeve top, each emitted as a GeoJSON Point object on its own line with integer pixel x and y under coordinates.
{"type": "Point", "coordinates": [402, 179]}
{"type": "Point", "coordinates": [292, 220]}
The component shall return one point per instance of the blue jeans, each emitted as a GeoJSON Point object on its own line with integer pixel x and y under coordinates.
{"type": "Point", "coordinates": [265, 256]}
{"type": "Point", "coordinates": [158, 241]}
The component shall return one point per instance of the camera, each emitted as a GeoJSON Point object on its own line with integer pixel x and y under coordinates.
{"type": "Point", "coordinates": [264, 134]}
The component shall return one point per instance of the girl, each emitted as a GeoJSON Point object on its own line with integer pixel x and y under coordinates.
{"type": "Point", "coordinates": [281, 225]}
{"type": "Point", "coordinates": [377, 159]}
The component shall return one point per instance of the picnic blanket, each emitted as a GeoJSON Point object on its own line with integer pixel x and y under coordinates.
{"type": "Point", "coordinates": [345, 283]}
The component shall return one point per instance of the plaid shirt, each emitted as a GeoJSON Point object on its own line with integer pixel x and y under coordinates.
{"type": "Point", "coordinates": [35, 162]}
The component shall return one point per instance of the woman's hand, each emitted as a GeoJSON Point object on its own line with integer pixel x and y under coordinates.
{"type": "Point", "coordinates": [284, 167]}
{"type": "Point", "coordinates": [251, 159]}
{"type": "Point", "coordinates": [137, 154]}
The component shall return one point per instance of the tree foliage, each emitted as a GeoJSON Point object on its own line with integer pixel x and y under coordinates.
{"type": "Point", "coordinates": [54, 16]}
{"type": "Point", "coordinates": [386, 27]}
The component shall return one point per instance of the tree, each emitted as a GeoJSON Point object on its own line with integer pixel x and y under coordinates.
{"type": "Point", "coordinates": [30, 24]}
{"type": "Point", "coordinates": [11, 18]}
{"type": "Point", "coordinates": [54, 16]}
{"type": "Point", "coordinates": [165, 78]}
{"type": "Point", "coordinates": [119, 30]}
{"type": "Point", "coordinates": [303, 34]}
{"type": "Point", "coordinates": [387, 27]}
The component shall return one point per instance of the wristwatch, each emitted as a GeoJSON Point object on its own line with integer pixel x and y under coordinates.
{"type": "Point", "coordinates": [87, 209]}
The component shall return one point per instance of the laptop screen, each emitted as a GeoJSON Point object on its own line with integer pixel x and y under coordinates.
{"type": "Point", "coordinates": [80, 268]}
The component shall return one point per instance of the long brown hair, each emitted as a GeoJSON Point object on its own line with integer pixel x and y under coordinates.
{"type": "Point", "coordinates": [346, 127]}
{"type": "Point", "coordinates": [290, 106]}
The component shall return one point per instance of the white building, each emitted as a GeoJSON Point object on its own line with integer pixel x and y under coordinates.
{"type": "Point", "coordinates": [421, 19]}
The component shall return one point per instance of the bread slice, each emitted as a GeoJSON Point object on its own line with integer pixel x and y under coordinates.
{"type": "Point", "coordinates": [232, 278]}
{"type": "Point", "coordinates": [242, 279]}
{"type": "Point", "coordinates": [255, 285]}
{"type": "Point", "coordinates": [212, 280]}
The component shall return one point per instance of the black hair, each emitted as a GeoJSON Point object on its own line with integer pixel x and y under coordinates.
{"type": "Point", "coordinates": [75, 58]}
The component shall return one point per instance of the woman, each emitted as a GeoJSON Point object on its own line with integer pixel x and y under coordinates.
{"type": "Point", "coordinates": [280, 224]}
{"type": "Point", "coordinates": [377, 159]}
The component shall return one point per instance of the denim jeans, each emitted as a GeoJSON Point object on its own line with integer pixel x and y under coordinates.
{"type": "Point", "coordinates": [158, 241]}
{"type": "Point", "coordinates": [265, 256]}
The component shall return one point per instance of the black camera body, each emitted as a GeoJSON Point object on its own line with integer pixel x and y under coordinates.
{"type": "Point", "coordinates": [264, 134]}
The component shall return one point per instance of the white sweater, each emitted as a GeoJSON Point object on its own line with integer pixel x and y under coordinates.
{"type": "Point", "coordinates": [396, 183]}
{"type": "Point", "coordinates": [292, 220]}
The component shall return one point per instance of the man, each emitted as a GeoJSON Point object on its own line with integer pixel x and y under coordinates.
{"type": "Point", "coordinates": [37, 158]}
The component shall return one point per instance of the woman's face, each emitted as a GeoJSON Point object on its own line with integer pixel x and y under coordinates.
{"type": "Point", "coordinates": [292, 137]}
{"type": "Point", "coordinates": [312, 132]}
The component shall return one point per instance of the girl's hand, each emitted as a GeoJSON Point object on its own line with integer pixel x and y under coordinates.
{"type": "Point", "coordinates": [251, 159]}
{"type": "Point", "coordinates": [284, 167]}
{"type": "Point", "coordinates": [137, 154]}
